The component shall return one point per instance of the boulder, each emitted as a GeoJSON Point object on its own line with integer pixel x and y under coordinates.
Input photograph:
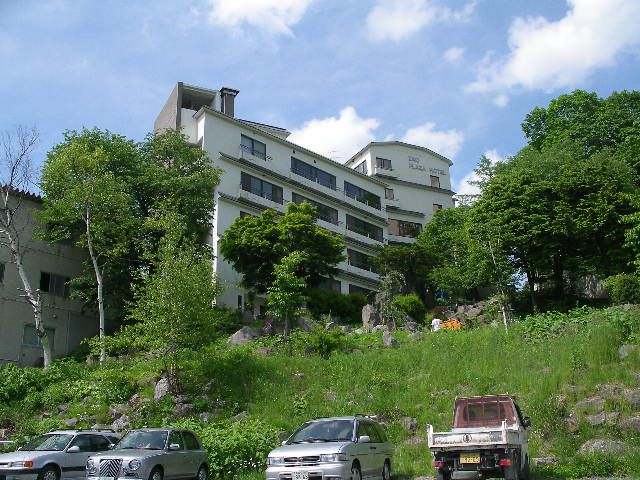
{"type": "Point", "coordinates": [633, 397]}
{"type": "Point", "coordinates": [602, 445]}
{"type": "Point", "coordinates": [370, 317]}
{"type": "Point", "coordinates": [118, 410]}
{"type": "Point", "coordinates": [305, 324]}
{"type": "Point", "coordinates": [590, 405]}
{"type": "Point", "coordinates": [544, 461]}
{"type": "Point", "coordinates": [379, 328]}
{"type": "Point", "coordinates": [345, 329]}
{"type": "Point", "coordinates": [46, 414]}
{"type": "Point", "coordinates": [572, 424]}
{"type": "Point", "coordinates": [410, 424]}
{"type": "Point", "coordinates": [100, 426]}
{"type": "Point", "coordinates": [630, 423]}
{"type": "Point", "coordinates": [70, 422]}
{"type": "Point", "coordinates": [358, 331]}
{"type": "Point", "coordinates": [600, 418]}
{"type": "Point", "coordinates": [244, 335]}
{"type": "Point", "coordinates": [161, 388]}
{"type": "Point", "coordinates": [625, 350]}
{"type": "Point", "coordinates": [206, 416]}
{"type": "Point", "coordinates": [240, 416]}
{"type": "Point", "coordinates": [411, 325]}
{"type": "Point", "coordinates": [330, 325]}
{"type": "Point", "coordinates": [121, 423]}
{"type": "Point", "coordinates": [180, 399]}
{"type": "Point", "coordinates": [62, 408]}
{"type": "Point", "coordinates": [388, 340]}
{"type": "Point", "coordinates": [183, 409]}
{"type": "Point", "coordinates": [609, 389]}
{"type": "Point", "coordinates": [416, 336]}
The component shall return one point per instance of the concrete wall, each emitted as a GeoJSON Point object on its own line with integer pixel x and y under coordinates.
{"type": "Point", "coordinates": [64, 315]}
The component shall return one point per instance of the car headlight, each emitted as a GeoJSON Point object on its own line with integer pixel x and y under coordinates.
{"type": "Point", "coordinates": [21, 464]}
{"type": "Point", "coordinates": [275, 461]}
{"type": "Point", "coordinates": [333, 457]}
{"type": "Point", "coordinates": [91, 466]}
{"type": "Point", "coordinates": [134, 464]}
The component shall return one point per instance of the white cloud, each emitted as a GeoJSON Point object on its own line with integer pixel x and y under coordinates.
{"type": "Point", "coordinates": [399, 19]}
{"type": "Point", "coordinates": [273, 16]}
{"type": "Point", "coordinates": [556, 54]}
{"type": "Point", "coordinates": [444, 142]}
{"type": "Point", "coordinates": [464, 186]}
{"type": "Point", "coordinates": [336, 137]}
{"type": "Point", "coordinates": [501, 100]}
{"type": "Point", "coordinates": [453, 54]}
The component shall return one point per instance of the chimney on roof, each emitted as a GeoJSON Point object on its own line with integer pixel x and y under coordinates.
{"type": "Point", "coordinates": [228, 96]}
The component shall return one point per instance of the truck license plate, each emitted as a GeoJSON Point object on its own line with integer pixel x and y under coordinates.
{"type": "Point", "coordinates": [469, 458]}
{"type": "Point", "coordinates": [300, 476]}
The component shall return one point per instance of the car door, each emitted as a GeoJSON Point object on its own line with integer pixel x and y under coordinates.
{"type": "Point", "coordinates": [75, 457]}
{"type": "Point", "coordinates": [192, 453]}
{"type": "Point", "coordinates": [175, 459]}
{"type": "Point", "coordinates": [375, 450]}
{"type": "Point", "coordinates": [363, 450]}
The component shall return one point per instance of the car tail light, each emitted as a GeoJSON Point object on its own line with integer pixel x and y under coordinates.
{"type": "Point", "coordinates": [438, 464]}
{"type": "Point", "coordinates": [28, 464]}
{"type": "Point", "coordinates": [505, 462]}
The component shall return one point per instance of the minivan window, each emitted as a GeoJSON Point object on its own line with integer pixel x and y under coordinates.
{"type": "Point", "coordinates": [324, 431]}
{"type": "Point", "coordinates": [190, 441]}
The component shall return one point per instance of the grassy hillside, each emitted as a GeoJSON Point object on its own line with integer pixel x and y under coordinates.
{"type": "Point", "coordinates": [549, 362]}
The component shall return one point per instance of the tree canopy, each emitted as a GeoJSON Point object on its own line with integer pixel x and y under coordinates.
{"type": "Point", "coordinates": [254, 245]}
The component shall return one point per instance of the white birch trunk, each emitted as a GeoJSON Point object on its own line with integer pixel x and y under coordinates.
{"type": "Point", "coordinates": [98, 273]}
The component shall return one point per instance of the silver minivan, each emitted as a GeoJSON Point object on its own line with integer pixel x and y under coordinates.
{"type": "Point", "coordinates": [339, 448]}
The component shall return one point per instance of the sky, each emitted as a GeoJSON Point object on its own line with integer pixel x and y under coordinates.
{"type": "Point", "coordinates": [456, 76]}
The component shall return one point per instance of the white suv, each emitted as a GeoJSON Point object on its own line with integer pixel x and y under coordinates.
{"type": "Point", "coordinates": [340, 448]}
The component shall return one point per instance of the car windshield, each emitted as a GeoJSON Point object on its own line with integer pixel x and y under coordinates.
{"type": "Point", "coordinates": [53, 442]}
{"type": "Point", "coordinates": [324, 431]}
{"type": "Point", "coordinates": [142, 439]}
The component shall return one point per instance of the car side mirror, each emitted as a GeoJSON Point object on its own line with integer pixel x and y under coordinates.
{"type": "Point", "coordinates": [73, 449]}
{"type": "Point", "coordinates": [526, 422]}
{"type": "Point", "coordinates": [364, 439]}
{"type": "Point", "coordinates": [174, 446]}
{"type": "Point", "coordinates": [284, 442]}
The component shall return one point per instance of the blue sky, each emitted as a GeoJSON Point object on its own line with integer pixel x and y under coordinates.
{"type": "Point", "coordinates": [456, 76]}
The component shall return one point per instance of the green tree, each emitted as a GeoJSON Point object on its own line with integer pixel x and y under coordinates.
{"type": "Point", "coordinates": [287, 292]}
{"type": "Point", "coordinates": [174, 304]}
{"type": "Point", "coordinates": [86, 201]}
{"type": "Point", "coordinates": [255, 245]}
{"type": "Point", "coordinates": [414, 262]}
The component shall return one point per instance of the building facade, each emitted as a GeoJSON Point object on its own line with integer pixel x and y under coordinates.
{"type": "Point", "coordinates": [384, 194]}
{"type": "Point", "coordinates": [49, 268]}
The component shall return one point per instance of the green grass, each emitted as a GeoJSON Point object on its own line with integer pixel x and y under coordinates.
{"type": "Point", "coordinates": [419, 379]}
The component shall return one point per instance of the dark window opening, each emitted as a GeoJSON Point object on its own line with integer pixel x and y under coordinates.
{"type": "Point", "coordinates": [402, 228]}
{"type": "Point", "coordinates": [362, 168]}
{"type": "Point", "coordinates": [361, 290]}
{"type": "Point", "coordinates": [1, 272]}
{"type": "Point", "coordinates": [313, 173]}
{"type": "Point", "coordinates": [435, 181]}
{"type": "Point", "coordinates": [54, 284]}
{"type": "Point", "coordinates": [360, 260]}
{"type": "Point", "coordinates": [436, 207]}
{"type": "Point", "coordinates": [330, 285]}
{"type": "Point", "coordinates": [364, 228]}
{"type": "Point", "coordinates": [254, 147]}
{"type": "Point", "coordinates": [261, 188]}
{"type": "Point", "coordinates": [325, 212]}
{"type": "Point", "coordinates": [383, 163]}
{"type": "Point", "coordinates": [388, 194]}
{"type": "Point", "coordinates": [362, 195]}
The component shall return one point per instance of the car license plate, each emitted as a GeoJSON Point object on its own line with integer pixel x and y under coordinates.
{"type": "Point", "coordinates": [470, 457]}
{"type": "Point", "coordinates": [300, 476]}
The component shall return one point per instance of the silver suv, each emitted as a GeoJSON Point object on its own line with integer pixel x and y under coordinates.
{"type": "Point", "coordinates": [340, 448]}
{"type": "Point", "coordinates": [57, 455]}
{"type": "Point", "coordinates": [151, 454]}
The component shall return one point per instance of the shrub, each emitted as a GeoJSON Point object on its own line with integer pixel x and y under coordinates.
{"type": "Point", "coordinates": [234, 448]}
{"type": "Point", "coordinates": [324, 342]}
{"type": "Point", "coordinates": [410, 304]}
{"type": "Point", "coordinates": [347, 307]}
{"type": "Point", "coordinates": [623, 288]}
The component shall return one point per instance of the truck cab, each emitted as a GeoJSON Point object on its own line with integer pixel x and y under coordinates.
{"type": "Point", "coordinates": [488, 439]}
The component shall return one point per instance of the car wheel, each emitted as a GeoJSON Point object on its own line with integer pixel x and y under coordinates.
{"type": "Point", "coordinates": [202, 473]}
{"type": "Point", "coordinates": [386, 470]}
{"type": "Point", "coordinates": [356, 473]}
{"type": "Point", "coordinates": [440, 475]}
{"type": "Point", "coordinates": [49, 473]}
{"type": "Point", "coordinates": [156, 474]}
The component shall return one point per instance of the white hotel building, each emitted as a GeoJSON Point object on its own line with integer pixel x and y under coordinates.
{"type": "Point", "coordinates": [383, 194]}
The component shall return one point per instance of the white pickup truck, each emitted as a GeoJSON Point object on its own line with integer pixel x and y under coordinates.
{"type": "Point", "coordinates": [488, 440]}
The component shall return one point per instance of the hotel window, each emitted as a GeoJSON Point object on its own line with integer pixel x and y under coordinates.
{"type": "Point", "coordinates": [359, 259]}
{"type": "Point", "coordinates": [388, 194]}
{"type": "Point", "coordinates": [364, 228]}
{"type": "Point", "coordinates": [361, 290]}
{"type": "Point", "coordinates": [54, 284]}
{"type": "Point", "coordinates": [383, 163]}
{"type": "Point", "coordinates": [325, 212]}
{"type": "Point", "coordinates": [31, 338]}
{"type": "Point", "coordinates": [247, 214]}
{"type": "Point", "coordinates": [435, 181]}
{"type": "Point", "coordinates": [313, 173]}
{"type": "Point", "coordinates": [1, 272]}
{"type": "Point", "coordinates": [254, 147]}
{"type": "Point", "coordinates": [436, 207]}
{"type": "Point", "coordinates": [362, 195]}
{"type": "Point", "coordinates": [261, 188]}
{"type": "Point", "coordinates": [362, 168]}
{"type": "Point", "coordinates": [402, 228]}
{"type": "Point", "coordinates": [330, 285]}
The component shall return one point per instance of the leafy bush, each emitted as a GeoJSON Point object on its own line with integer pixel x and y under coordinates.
{"type": "Point", "coordinates": [410, 304]}
{"type": "Point", "coordinates": [323, 342]}
{"type": "Point", "coordinates": [347, 307]}
{"type": "Point", "coordinates": [234, 448]}
{"type": "Point", "coordinates": [623, 288]}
